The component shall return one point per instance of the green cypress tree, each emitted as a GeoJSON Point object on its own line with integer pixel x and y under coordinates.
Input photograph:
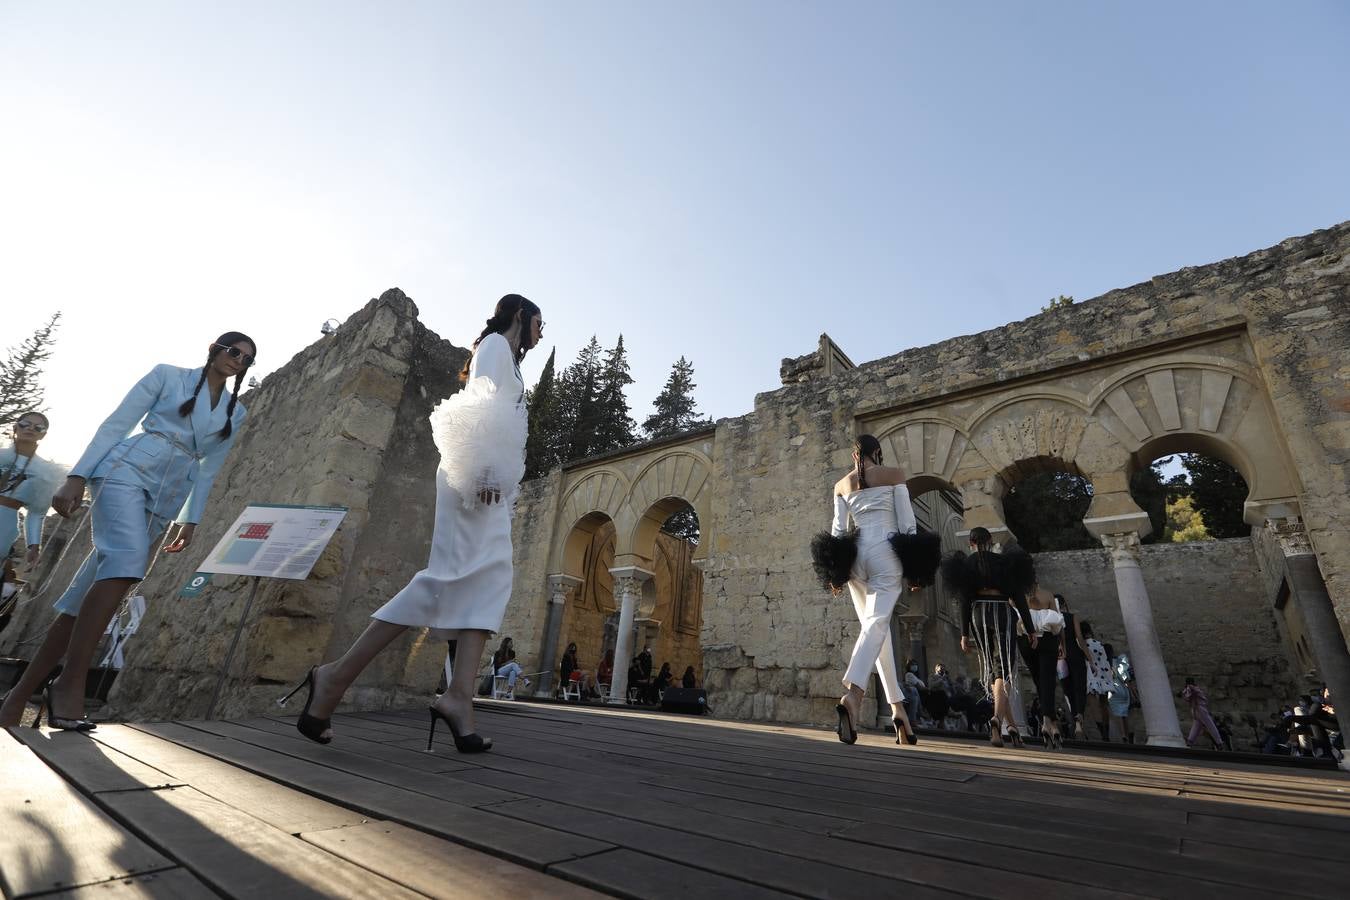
{"type": "Point", "coordinates": [616, 426]}
{"type": "Point", "coordinates": [579, 400]}
{"type": "Point", "coordinates": [541, 446]}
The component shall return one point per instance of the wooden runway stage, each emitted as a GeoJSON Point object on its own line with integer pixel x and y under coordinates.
{"type": "Point", "coordinates": [573, 801]}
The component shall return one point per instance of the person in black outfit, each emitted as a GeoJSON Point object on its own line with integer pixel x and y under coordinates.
{"type": "Point", "coordinates": [1075, 654]}
{"type": "Point", "coordinates": [567, 667]}
{"type": "Point", "coordinates": [663, 680]}
{"type": "Point", "coordinates": [993, 590]}
{"type": "Point", "coordinates": [1040, 651]}
{"type": "Point", "coordinates": [689, 681]}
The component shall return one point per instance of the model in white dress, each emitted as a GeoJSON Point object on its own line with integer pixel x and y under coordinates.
{"type": "Point", "coordinates": [480, 433]}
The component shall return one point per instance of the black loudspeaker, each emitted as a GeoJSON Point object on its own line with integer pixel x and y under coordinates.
{"type": "Point", "coordinates": [685, 700]}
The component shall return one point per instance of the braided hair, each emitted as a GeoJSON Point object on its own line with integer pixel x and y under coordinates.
{"type": "Point", "coordinates": [228, 339]}
{"type": "Point", "coordinates": [502, 318]}
{"type": "Point", "coordinates": [864, 448]}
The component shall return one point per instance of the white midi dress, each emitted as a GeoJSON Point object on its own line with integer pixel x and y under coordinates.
{"type": "Point", "coordinates": [480, 432]}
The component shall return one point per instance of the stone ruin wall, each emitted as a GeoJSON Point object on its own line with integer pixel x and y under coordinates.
{"type": "Point", "coordinates": [774, 646]}
{"type": "Point", "coordinates": [344, 423]}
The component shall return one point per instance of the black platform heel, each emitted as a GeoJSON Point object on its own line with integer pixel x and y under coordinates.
{"type": "Point", "coordinates": [464, 743]}
{"type": "Point", "coordinates": [55, 721]}
{"type": "Point", "coordinates": [901, 729]}
{"type": "Point", "coordinates": [310, 726]}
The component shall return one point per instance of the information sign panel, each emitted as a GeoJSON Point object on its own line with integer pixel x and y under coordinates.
{"type": "Point", "coordinates": [274, 541]}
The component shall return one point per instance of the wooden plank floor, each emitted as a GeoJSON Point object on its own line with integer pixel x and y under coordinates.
{"type": "Point", "coordinates": [573, 801]}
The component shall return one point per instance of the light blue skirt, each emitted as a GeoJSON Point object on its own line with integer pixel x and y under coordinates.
{"type": "Point", "coordinates": [9, 530]}
{"type": "Point", "coordinates": [124, 531]}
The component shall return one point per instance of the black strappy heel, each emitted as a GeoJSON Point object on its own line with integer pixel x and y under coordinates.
{"type": "Point", "coordinates": [847, 733]}
{"type": "Point", "coordinates": [464, 743]}
{"type": "Point", "coordinates": [55, 721]}
{"type": "Point", "coordinates": [310, 726]}
{"type": "Point", "coordinates": [901, 729]}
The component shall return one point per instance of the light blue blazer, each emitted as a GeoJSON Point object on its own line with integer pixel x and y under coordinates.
{"type": "Point", "coordinates": [173, 457]}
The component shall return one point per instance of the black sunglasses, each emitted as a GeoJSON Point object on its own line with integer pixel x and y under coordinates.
{"type": "Point", "coordinates": [26, 423]}
{"type": "Point", "coordinates": [236, 353]}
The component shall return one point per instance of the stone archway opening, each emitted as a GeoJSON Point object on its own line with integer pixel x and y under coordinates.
{"type": "Point", "coordinates": [1044, 505]}
{"type": "Point", "coordinates": [669, 616]}
{"type": "Point", "coordinates": [589, 612]}
{"type": "Point", "coordinates": [1192, 489]}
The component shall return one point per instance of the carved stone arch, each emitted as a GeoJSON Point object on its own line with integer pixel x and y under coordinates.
{"type": "Point", "coordinates": [595, 498]}
{"type": "Point", "coordinates": [1202, 404]}
{"type": "Point", "coordinates": [926, 447]}
{"type": "Point", "coordinates": [1030, 431]}
{"type": "Point", "coordinates": [667, 484]}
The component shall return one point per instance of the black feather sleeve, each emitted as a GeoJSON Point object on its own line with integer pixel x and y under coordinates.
{"type": "Point", "coordinates": [920, 554]}
{"type": "Point", "coordinates": [833, 557]}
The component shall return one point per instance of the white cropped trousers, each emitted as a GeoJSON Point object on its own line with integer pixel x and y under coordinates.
{"type": "Point", "coordinates": [875, 587]}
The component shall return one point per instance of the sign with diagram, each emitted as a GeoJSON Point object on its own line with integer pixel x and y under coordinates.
{"type": "Point", "coordinates": [274, 541]}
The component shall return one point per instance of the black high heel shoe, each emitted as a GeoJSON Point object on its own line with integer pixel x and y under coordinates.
{"type": "Point", "coordinates": [55, 721]}
{"type": "Point", "coordinates": [311, 727]}
{"type": "Point", "coordinates": [847, 733]}
{"type": "Point", "coordinates": [464, 743]}
{"type": "Point", "coordinates": [902, 730]}
{"type": "Point", "coordinates": [1015, 737]}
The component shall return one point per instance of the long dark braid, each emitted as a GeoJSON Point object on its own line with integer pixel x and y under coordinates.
{"type": "Point", "coordinates": [500, 323]}
{"type": "Point", "coordinates": [228, 428]}
{"type": "Point", "coordinates": [185, 409]}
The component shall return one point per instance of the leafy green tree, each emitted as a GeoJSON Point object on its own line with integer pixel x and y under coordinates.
{"type": "Point", "coordinates": [1218, 493]}
{"type": "Point", "coordinates": [675, 409]}
{"type": "Point", "coordinates": [1060, 302]}
{"type": "Point", "coordinates": [1046, 512]}
{"type": "Point", "coordinates": [21, 372]}
{"type": "Point", "coordinates": [1184, 522]}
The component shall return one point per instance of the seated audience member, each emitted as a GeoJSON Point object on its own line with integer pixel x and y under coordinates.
{"type": "Point", "coordinates": [689, 681]}
{"type": "Point", "coordinates": [511, 671]}
{"type": "Point", "coordinates": [938, 700]}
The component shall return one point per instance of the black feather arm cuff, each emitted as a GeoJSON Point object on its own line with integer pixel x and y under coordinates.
{"type": "Point", "coordinates": [920, 554]}
{"type": "Point", "coordinates": [832, 558]}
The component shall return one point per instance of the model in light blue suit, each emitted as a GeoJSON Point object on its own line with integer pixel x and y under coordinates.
{"type": "Point", "coordinates": [27, 481]}
{"type": "Point", "coordinates": [138, 481]}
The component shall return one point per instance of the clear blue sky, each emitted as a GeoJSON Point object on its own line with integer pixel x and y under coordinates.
{"type": "Point", "coordinates": [720, 180]}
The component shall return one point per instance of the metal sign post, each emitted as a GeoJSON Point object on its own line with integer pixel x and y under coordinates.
{"type": "Point", "coordinates": [229, 655]}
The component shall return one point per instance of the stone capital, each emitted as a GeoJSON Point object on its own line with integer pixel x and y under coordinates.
{"type": "Point", "coordinates": [1124, 547]}
{"type": "Point", "coordinates": [1136, 523]}
{"type": "Point", "coordinates": [629, 579]}
{"type": "Point", "coordinates": [560, 587]}
{"type": "Point", "coordinates": [1291, 535]}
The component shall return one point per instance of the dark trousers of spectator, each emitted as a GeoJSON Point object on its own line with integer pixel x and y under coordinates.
{"type": "Point", "coordinates": [937, 704]}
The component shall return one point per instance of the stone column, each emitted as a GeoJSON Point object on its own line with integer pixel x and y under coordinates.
{"type": "Point", "coordinates": [560, 587]}
{"type": "Point", "coordinates": [1150, 672]}
{"type": "Point", "coordinates": [628, 581]}
{"type": "Point", "coordinates": [1319, 615]}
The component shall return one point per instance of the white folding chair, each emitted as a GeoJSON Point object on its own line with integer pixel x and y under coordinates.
{"type": "Point", "coordinates": [572, 690]}
{"type": "Point", "coordinates": [604, 692]}
{"type": "Point", "coordinates": [501, 690]}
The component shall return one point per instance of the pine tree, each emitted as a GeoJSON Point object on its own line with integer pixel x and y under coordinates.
{"type": "Point", "coordinates": [578, 397]}
{"type": "Point", "coordinates": [616, 427]}
{"type": "Point", "coordinates": [542, 402]}
{"type": "Point", "coordinates": [21, 371]}
{"type": "Point", "coordinates": [675, 408]}
{"type": "Point", "coordinates": [1219, 494]}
